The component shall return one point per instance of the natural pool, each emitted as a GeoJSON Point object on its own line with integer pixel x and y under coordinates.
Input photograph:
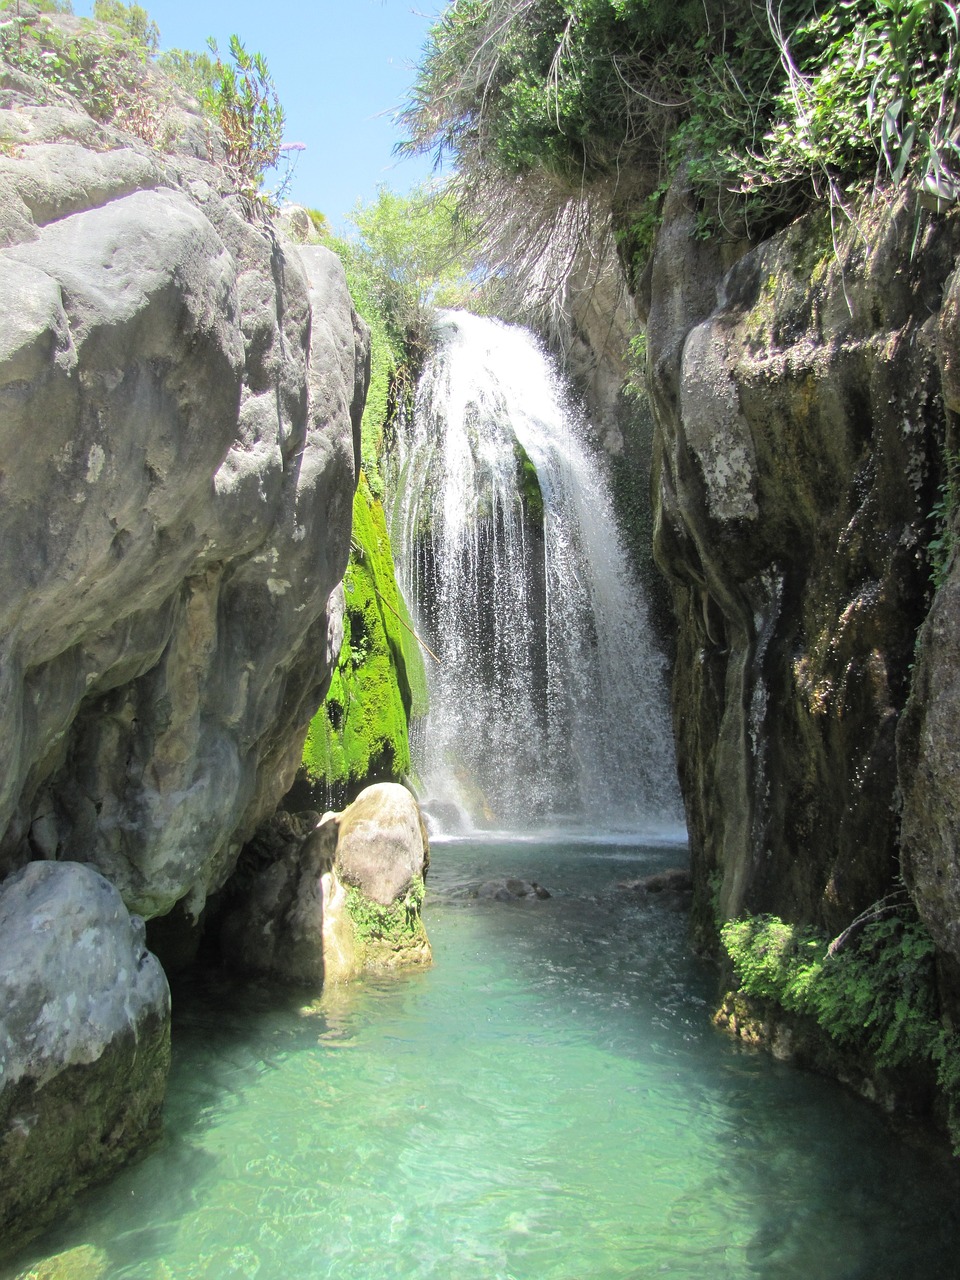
{"type": "Point", "coordinates": [548, 1102]}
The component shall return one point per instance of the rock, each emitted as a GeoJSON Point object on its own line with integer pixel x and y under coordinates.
{"type": "Point", "coordinates": [382, 846]}
{"type": "Point", "coordinates": [928, 755]}
{"type": "Point", "coordinates": [676, 880]}
{"type": "Point", "coordinates": [796, 392]}
{"type": "Point", "coordinates": [180, 400]}
{"type": "Point", "coordinates": [287, 918]}
{"type": "Point", "coordinates": [511, 890]}
{"type": "Point", "coordinates": [301, 906]}
{"type": "Point", "coordinates": [84, 1038]}
{"type": "Point", "coordinates": [82, 1263]}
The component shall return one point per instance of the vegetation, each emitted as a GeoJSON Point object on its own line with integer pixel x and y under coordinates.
{"type": "Point", "coordinates": [393, 928]}
{"type": "Point", "coordinates": [576, 110]}
{"type": "Point", "coordinates": [132, 19]}
{"type": "Point", "coordinates": [407, 260]}
{"type": "Point", "coordinates": [412, 255]}
{"type": "Point", "coordinates": [102, 64]}
{"type": "Point", "coordinates": [360, 734]}
{"type": "Point", "coordinates": [241, 97]}
{"type": "Point", "coordinates": [944, 514]}
{"type": "Point", "coordinates": [102, 67]}
{"type": "Point", "coordinates": [874, 988]}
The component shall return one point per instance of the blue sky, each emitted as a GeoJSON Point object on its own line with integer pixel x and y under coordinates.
{"type": "Point", "coordinates": [341, 68]}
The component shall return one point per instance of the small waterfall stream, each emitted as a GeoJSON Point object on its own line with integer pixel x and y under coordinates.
{"type": "Point", "coordinates": [548, 702]}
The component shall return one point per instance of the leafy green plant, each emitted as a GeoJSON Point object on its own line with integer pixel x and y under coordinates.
{"type": "Point", "coordinates": [413, 251]}
{"type": "Point", "coordinates": [944, 515]}
{"type": "Point", "coordinates": [102, 67]}
{"type": "Point", "coordinates": [764, 107]}
{"type": "Point", "coordinates": [242, 98]}
{"type": "Point", "coordinates": [395, 925]}
{"type": "Point", "coordinates": [132, 19]}
{"type": "Point", "coordinates": [873, 988]}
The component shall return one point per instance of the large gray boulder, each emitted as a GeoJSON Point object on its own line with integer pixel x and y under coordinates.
{"type": "Point", "coordinates": [84, 1038]}
{"type": "Point", "coordinates": [382, 846]}
{"type": "Point", "coordinates": [180, 398]}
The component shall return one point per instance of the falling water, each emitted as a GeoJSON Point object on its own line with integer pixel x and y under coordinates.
{"type": "Point", "coordinates": [548, 700]}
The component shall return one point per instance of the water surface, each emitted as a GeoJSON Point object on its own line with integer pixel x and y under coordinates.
{"type": "Point", "coordinates": [548, 1102]}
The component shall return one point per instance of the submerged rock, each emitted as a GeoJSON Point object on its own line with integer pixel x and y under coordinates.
{"type": "Point", "coordinates": [512, 889]}
{"type": "Point", "coordinates": [82, 1263]}
{"type": "Point", "coordinates": [84, 1038]}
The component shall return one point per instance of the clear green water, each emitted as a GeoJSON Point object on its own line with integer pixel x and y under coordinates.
{"type": "Point", "coordinates": [548, 1102]}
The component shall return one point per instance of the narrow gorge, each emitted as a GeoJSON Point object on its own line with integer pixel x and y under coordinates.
{"type": "Point", "coordinates": [587, 599]}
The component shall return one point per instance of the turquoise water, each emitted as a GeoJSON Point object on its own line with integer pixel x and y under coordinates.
{"type": "Point", "coordinates": [548, 1102]}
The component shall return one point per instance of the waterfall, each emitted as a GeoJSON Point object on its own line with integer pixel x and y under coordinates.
{"type": "Point", "coordinates": [548, 700]}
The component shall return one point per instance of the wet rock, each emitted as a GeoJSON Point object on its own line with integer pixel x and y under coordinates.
{"type": "Point", "coordinates": [318, 901]}
{"type": "Point", "coordinates": [800, 426]}
{"type": "Point", "coordinates": [676, 880]}
{"type": "Point", "coordinates": [82, 1263]}
{"type": "Point", "coordinates": [84, 1038]}
{"type": "Point", "coordinates": [286, 916]}
{"type": "Point", "coordinates": [511, 890]}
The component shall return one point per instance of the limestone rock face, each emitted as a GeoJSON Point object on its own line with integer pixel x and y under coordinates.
{"type": "Point", "coordinates": [929, 756]}
{"type": "Point", "coordinates": [288, 920]}
{"type": "Point", "coordinates": [180, 399]}
{"type": "Point", "coordinates": [318, 901]}
{"type": "Point", "coordinates": [382, 845]}
{"type": "Point", "coordinates": [84, 1037]}
{"type": "Point", "coordinates": [801, 435]}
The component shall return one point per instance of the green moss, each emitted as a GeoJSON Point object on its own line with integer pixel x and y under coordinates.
{"type": "Point", "coordinates": [528, 484]}
{"type": "Point", "coordinates": [877, 993]}
{"type": "Point", "coordinates": [399, 924]}
{"type": "Point", "coordinates": [360, 734]}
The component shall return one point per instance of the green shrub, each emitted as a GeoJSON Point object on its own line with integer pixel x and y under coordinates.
{"type": "Point", "coordinates": [767, 107]}
{"type": "Point", "coordinates": [875, 992]}
{"type": "Point", "coordinates": [132, 19]}
{"type": "Point", "coordinates": [242, 98]}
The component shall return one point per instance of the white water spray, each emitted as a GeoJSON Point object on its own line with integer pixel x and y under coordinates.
{"type": "Point", "coordinates": [548, 704]}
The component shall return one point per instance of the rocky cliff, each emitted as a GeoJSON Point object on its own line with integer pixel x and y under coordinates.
{"type": "Point", "coordinates": [179, 434]}
{"type": "Point", "coordinates": [804, 393]}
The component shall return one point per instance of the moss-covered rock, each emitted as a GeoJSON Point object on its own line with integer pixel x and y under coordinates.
{"type": "Point", "coordinates": [361, 733]}
{"type": "Point", "coordinates": [84, 1040]}
{"type": "Point", "coordinates": [390, 937]}
{"type": "Point", "coordinates": [316, 902]}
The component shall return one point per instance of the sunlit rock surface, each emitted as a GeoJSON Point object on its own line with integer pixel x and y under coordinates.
{"type": "Point", "coordinates": [181, 392]}
{"type": "Point", "coordinates": [84, 1038]}
{"type": "Point", "coordinates": [317, 901]}
{"type": "Point", "coordinates": [180, 401]}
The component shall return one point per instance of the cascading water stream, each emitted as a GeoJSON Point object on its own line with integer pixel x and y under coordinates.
{"type": "Point", "coordinates": [548, 703]}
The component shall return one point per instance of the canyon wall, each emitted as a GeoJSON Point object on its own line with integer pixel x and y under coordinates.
{"type": "Point", "coordinates": [804, 393]}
